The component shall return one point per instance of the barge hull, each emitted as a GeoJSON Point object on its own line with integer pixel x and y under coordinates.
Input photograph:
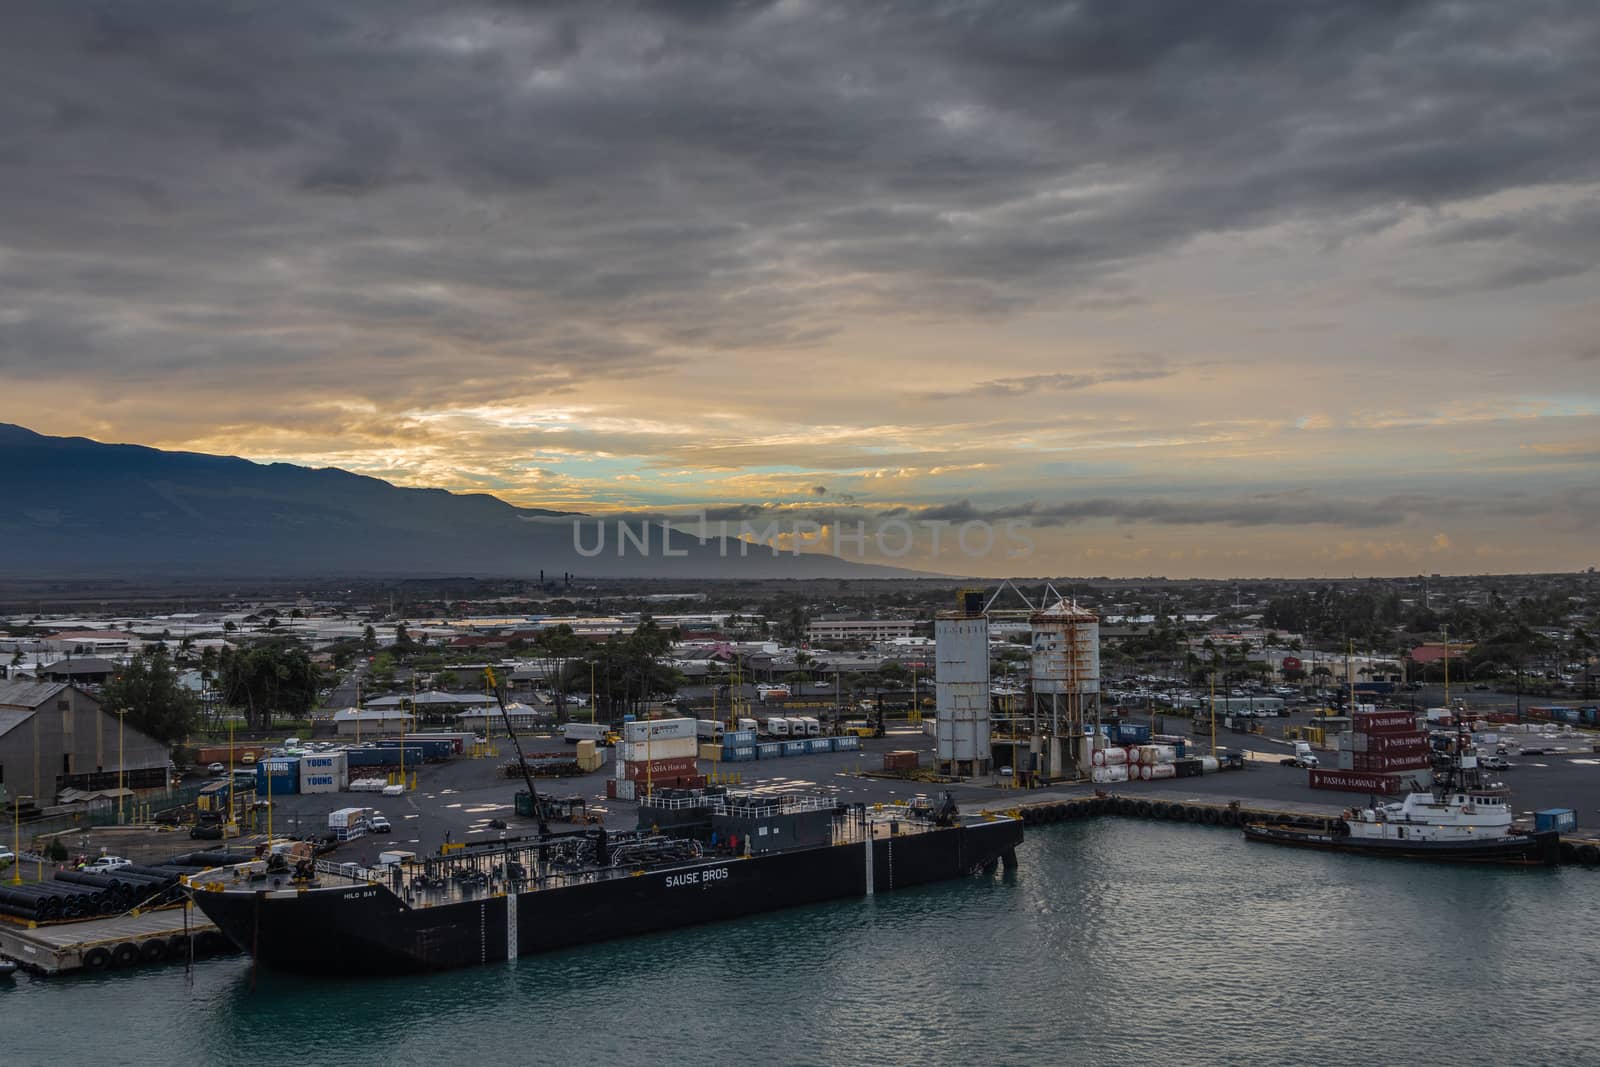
{"type": "Point", "coordinates": [1532, 850]}
{"type": "Point", "coordinates": [367, 929]}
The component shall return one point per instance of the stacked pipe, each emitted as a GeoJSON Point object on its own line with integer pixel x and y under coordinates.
{"type": "Point", "coordinates": [82, 894]}
{"type": "Point", "coordinates": [47, 901]}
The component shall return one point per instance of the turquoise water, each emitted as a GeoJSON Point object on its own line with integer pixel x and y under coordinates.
{"type": "Point", "coordinates": [1114, 942]}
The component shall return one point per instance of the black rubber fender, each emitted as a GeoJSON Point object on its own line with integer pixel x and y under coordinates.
{"type": "Point", "coordinates": [1142, 809]}
{"type": "Point", "coordinates": [153, 950]}
{"type": "Point", "coordinates": [1569, 852]}
{"type": "Point", "coordinates": [1230, 817]}
{"type": "Point", "coordinates": [1210, 816]}
{"type": "Point", "coordinates": [96, 959]}
{"type": "Point", "coordinates": [1126, 806]}
{"type": "Point", "coordinates": [177, 947]}
{"type": "Point", "coordinates": [125, 955]}
{"type": "Point", "coordinates": [1193, 814]}
{"type": "Point", "coordinates": [1588, 854]}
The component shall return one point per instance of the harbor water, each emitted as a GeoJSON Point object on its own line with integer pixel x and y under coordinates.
{"type": "Point", "coordinates": [1114, 942]}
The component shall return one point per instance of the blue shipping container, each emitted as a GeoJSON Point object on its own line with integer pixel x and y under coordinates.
{"type": "Point", "coordinates": [820, 744]}
{"type": "Point", "coordinates": [1562, 819]}
{"type": "Point", "coordinates": [848, 743]}
{"type": "Point", "coordinates": [738, 738]}
{"type": "Point", "coordinates": [740, 754]}
{"type": "Point", "coordinates": [769, 750]}
{"type": "Point", "coordinates": [1130, 733]}
{"type": "Point", "coordinates": [794, 748]}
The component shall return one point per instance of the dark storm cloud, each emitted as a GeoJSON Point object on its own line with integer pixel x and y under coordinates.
{"type": "Point", "coordinates": [396, 198]}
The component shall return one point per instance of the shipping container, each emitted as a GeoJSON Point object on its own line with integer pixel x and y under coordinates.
{"type": "Point", "coordinates": [659, 730]}
{"type": "Point", "coordinates": [1412, 742]}
{"type": "Point", "coordinates": [659, 768]}
{"type": "Point", "coordinates": [1129, 733]}
{"type": "Point", "coordinates": [326, 772]}
{"type": "Point", "coordinates": [739, 755]}
{"type": "Point", "coordinates": [795, 748]}
{"type": "Point", "coordinates": [901, 760]}
{"type": "Point", "coordinates": [735, 738]}
{"type": "Point", "coordinates": [847, 743]}
{"type": "Point", "coordinates": [769, 750]}
{"type": "Point", "coordinates": [672, 748]}
{"type": "Point", "coordinates": [708, 729]}
{"type": "Point", "coordinates": [1564, 820]}
{"type": "Point", "coordinates": [1383, 722]}
{"type": "Point", "coordinates": [1384, 764]}
{"type": "Point", "coordinates": [711, 752]}
{"type": "Point", "coordinates": [819, 744]}
{"type": "Point", "coordinates": [1187, 768]}
{"type": "Point", "coordinates": [429, 750]}
{"type": "Point", "coordinates": [1356, 782]}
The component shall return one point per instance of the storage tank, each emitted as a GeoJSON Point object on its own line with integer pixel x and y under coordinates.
{"type": "Point", "coordinates": [1066, 649]}
{"type": "Point", "coordinates": [961, 683]}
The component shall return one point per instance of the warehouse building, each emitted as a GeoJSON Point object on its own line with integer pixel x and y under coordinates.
{"type": "Point", "coordinates": [55, 736]}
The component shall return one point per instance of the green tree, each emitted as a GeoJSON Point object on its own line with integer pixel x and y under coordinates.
{"type": "Point", "coordinates": [556, 650]}
{"type": "Point", "coordinates": [369, 640]}
{"type": "Point", "coordinates": [147, 691]}
{"type": "Point", "coordinates": [264, 679]}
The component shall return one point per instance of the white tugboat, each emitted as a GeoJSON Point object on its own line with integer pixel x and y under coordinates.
{"type": "Point", "coordinates": [1464, 818]}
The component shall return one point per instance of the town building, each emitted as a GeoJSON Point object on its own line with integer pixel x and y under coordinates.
{"type": "Point", "coordinates": [55, 736]}
{"type": "Point", "coordinates": [826, 631]}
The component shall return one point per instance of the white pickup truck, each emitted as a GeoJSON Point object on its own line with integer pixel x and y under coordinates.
{"type": "Point", "coordinates": [107, 864]}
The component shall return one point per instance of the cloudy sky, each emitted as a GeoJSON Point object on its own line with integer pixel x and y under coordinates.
{"type": "Point", "coordinates": [1243, 288]}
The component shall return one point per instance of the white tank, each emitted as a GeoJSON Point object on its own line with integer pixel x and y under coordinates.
{"type": "Point", "coordinates": [1066, 649]}
{"type": "Point", "coordinates": [961, 686]}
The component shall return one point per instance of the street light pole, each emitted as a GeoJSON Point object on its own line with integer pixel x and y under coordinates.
{"type": "Point", "coordinates": [121, 797]}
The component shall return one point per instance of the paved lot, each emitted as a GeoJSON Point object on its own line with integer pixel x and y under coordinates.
{"type": "Point", "coordinates": [457, 800]}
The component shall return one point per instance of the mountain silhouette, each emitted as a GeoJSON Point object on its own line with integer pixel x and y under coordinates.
{"type": "Point", "coordinates": [83, 509]}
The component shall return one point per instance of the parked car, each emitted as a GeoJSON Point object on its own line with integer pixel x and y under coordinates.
{"type": "Point", "coordinates": [7, 857]}
{"type": "Point", "coordinates": [1494, 763]}
{"type": "Point", "coordinates": [378, 823]}
{"type": "Point", "coordinates": [107, 864]}
{"type": "Point", "coordinates": [215, 768]}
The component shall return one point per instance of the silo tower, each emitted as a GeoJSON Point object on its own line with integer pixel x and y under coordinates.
{"type": "Point", "coordinates": [961, 641]}
{"type": "Point", "coordinates": [1066, 681]}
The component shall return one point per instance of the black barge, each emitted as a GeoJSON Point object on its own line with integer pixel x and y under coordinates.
{"type": "Point", "coordinates": [698, 856]}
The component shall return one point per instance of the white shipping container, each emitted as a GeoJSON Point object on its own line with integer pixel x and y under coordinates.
{"type": "Point", "coordinates": [672, 748]}
{"type": "Point", "coordinates": [659, 730]}
{"type": "Point", "coordinates": [326, 773]}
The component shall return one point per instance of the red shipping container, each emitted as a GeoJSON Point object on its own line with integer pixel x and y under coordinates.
{"type": "Point", "coordinates": [1356, 782]}
{"type": "Point", "coordinates": [1369, 762]}
{"type": "Point", "coordinates": [1398, 744]}
{"type": "Point", "coordinates": [660, 769]}
{"type": "Point", "coordinates": [1383, 722]}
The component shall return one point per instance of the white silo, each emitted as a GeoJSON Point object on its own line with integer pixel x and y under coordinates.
{"type": "Point", "coordinates": [1066, 679]}
{"type": "Point", "coordinates": [961, 641]}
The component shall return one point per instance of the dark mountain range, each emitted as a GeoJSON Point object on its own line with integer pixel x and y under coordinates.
{"type": "Point", "coordinates": [79, 508]}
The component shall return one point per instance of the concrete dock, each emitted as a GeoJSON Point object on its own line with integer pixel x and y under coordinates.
{"type": "Point", "coordinates": [115, 941]}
